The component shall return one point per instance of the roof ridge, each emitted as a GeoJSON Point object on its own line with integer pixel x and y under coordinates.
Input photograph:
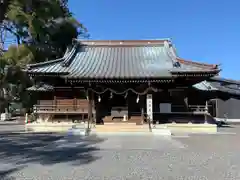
{"type": "Point", "coordinates": [172, 53]}
{"type": "Point", "coordinates": [169, 53]}
{"type": "Point", "coordinates": [29, 66]}
{"type": "Point", "coordinates": [71, 55]}
{"type": "Point", "coordinates": [121, 42]}
{"type": "Point", "coordinates": [126, 40]}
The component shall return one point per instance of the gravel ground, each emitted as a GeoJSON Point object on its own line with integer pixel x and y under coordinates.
{"type": "Point", "coordinates": [186, 157]}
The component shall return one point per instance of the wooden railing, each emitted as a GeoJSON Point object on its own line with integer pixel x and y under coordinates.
{"type": "Point", "coordinates": [194, 109]}
{"type": "Point", "coordinates": [62, 106]}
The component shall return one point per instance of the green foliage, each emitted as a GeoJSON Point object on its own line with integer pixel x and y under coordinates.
{"type": "Point", "coordinates": [43, 29]}
{"type": "Point", "coordinates": [47, 26]}
{"type": "Point", "coordinates": [18, 56]}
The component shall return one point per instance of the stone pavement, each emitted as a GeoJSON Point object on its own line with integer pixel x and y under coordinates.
{"type": "Point", "coordinates": [7, 127]}
{"type": "Point", "coordinates": [185, 157]}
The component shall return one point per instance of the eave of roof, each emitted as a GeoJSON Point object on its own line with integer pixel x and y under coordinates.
{"type": "Point", "coordinates": [197, 64]}
{"type": "Point", "coordinates": [41, 88]}
{"type": "Point", "coordinates": [226, 89]}
{"type": "Point", "coordinates": [122, 59]}
{"type": "Point", "coordinates": [224, 80]}
{"type": "Point", "coordinates": [205, 86]}
{"type": "Point", "coordinates": [53, 66]}
{"type": "Point", "coordinates": [215, 84]}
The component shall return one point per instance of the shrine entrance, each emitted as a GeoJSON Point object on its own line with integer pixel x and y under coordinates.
{"type": "Point", "coordinates": [119, 108]}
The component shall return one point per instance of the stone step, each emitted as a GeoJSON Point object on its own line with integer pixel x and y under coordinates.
{"type": "Point", "coordinates": [121, 124]}
{"type": "Point", "coordinates": [120, 128]}
{"type": "Point", "coordinates": [131, 128]}
{"type": "Point", "coordinates": [162, 131]}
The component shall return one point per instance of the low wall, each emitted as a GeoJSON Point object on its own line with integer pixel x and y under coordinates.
{"type": "Point", "coordinates": [53, 127]}
{"type": "Point", "coordinates": [189, 128]}
{"type": "Point", "coordinates": [230, 121]}
{"type": "Point", "coordinates": [172, 127]}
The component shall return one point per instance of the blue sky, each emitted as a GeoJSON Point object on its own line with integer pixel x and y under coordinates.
{"type": "Point", "coordinates": [202, 30]}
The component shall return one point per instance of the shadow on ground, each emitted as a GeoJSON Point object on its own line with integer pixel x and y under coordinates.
{"type": "Point", "coordinates": [6, 174]}
{"type": "Point", "coordinates": [48, 149]}
{"type": "Point", "coordinates": [225, 126]}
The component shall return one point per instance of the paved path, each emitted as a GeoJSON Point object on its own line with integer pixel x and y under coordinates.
{"type": "Point", "coordinates": [192, 157]}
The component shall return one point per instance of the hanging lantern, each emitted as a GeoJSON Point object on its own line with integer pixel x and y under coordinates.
{"type": "Point", "coordinates": [111, 95]}
{"type": "Point", "coordinates": [99, 99]}
{"type": "Point", "coordinates": [125, 96]}
{"type": "Point", "coordinates": [86, 94]}
{"type": "Point", "coordinates": [137, 100]}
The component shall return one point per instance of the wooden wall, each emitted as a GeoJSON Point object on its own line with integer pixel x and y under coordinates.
{"type": "Point", "coordinates": [231, 107]}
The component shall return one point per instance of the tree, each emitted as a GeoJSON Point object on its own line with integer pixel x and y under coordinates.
{"type": "Point", "coordinates": [47, 26]}
{"type": "Point", "coordinates": [3, 8]}
{"type": "Point", "coordinates": [13, 81]}
{"type": "Point", "coordinates": [43, 29]}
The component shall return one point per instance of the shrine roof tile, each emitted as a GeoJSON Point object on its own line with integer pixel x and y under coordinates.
{"type": "Point", "coordinates": [120, 59]}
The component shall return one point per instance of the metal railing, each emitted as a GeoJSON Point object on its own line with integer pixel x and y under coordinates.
{"type": "Point", "coordinates": [190, 110]}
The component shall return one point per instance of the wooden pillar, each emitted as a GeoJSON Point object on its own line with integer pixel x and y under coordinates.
{"type": "Point", "coordinates": [216, 108]}
{"type": "Point", "coordinates": [206, 113]}
{"type": "Point", "coordinates": [142, 109]}
{"type": "Point", "coordinates": [90, 114]}
{"type": "Point", "coordinates": [97, 106]}
{"type": "Point", "coordinates": [75, 104]}
{"type": "Point", "coordinates": [187, 110]}
{"type": "Point", "coordinates": [55, 103]}
{"type": "Point", "coordinates": [186, 102]}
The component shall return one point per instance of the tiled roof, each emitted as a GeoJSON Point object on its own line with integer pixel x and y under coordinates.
{"type": "Point", "coordinates": [221, 85]}
{"type": "Point", "coordinates": [205, 86]}
{"type": "Point", "coordinates": [53, 66]}
{"type": "Point", "coordinates": [230, 88]}
{"type": "Point", "coordinates": [224, 80]}
{"type": "Point", "coordinates": [120, 59]}
{"type": "Point", "coordinates": [41, 87]}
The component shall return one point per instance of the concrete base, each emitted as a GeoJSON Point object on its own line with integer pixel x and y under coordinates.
{"type": "Point", "coordinates": [190, 128]}
{"type": "Point", "coordinates": [162, 132]}
{"type": "Point", "coordinates": [53, 127]}
{"type": "Point", "coordinates": [121, 128]}
{"type": "Point", "coordinates": [76, 132]}
{"type": "Point", "coordinates": [160, 129]}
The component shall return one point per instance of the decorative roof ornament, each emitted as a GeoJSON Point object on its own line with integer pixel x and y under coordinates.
{"type": "Point", "coordinates": [171, 53]}
{"type": "Point", "coordinates": [176, 64]}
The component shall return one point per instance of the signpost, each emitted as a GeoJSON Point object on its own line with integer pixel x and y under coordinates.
{"type": "Point", "coordinates": [150, 107]}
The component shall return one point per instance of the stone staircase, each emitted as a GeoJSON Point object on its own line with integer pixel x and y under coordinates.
{"type": "Point", "coordinates": [133, 119]}
{"type": "Point", "coordinates": [121, 127]}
